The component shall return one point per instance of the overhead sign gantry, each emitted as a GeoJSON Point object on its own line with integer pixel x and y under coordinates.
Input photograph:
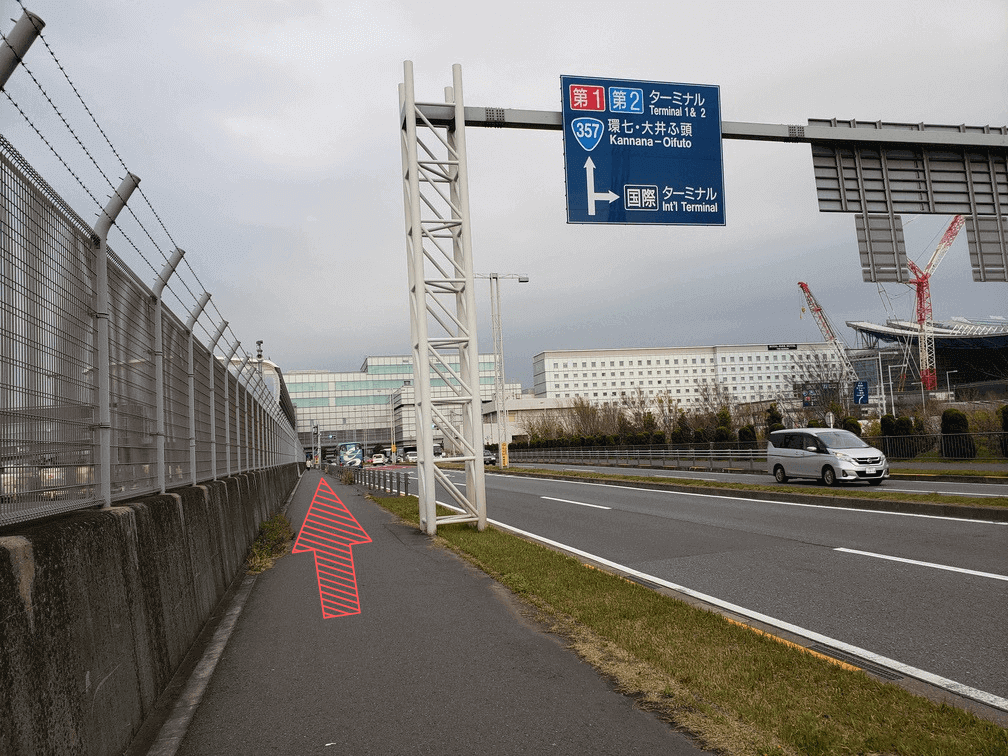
{"type": "Point", "coordinates": [877, 168]}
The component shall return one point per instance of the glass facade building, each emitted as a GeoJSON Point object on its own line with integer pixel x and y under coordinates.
{"type": "Point", "coordinates": [366, 405]}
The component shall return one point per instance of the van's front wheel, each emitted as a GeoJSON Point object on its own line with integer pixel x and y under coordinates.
{"type": "Point", "coordinates": [828, 476]}
{"type": "Point", "coordinates": [779, 475]}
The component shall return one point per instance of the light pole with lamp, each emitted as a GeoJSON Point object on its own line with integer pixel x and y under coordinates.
{"type": "Point", "coordinates": [392, 449]}
{"type": "Point", "coordinates": [948, 384]}
{"type": "Point", "coordinates": [892, 401]}
{"type": "Point", "coordinates": [499, 397]}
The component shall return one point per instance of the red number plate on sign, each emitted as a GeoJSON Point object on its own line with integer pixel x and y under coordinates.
{"type": "Point", "coordinates": [585, 97]}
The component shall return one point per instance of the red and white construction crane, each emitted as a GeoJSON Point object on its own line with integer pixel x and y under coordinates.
{"type": "Point", "coordinates": [925, 323]}
{"type": "Point", "coordinates": [829, 333]}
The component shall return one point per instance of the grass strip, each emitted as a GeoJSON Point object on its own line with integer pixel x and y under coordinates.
{"type": "Point", "coordinates": [738, 691]}
{"type": "Point", "coordinates": [952, 473]}
{"type": "Point", "coordinates": [270, 543]}
{"type": "Point", "coordinates": [813, 490]}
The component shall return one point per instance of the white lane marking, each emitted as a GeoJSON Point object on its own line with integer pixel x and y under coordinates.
{"type": "Point", "coordinates": [774, 501]}
{"type": "Point", "coordinates": [925, 564]}
{"type": "Point", "coordinates": [579, 503]}
{"type": "Point", "coordinates": [942, 682]}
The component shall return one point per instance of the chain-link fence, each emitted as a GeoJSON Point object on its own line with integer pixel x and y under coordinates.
{"type": "Point", "coordinates": [49, 419]}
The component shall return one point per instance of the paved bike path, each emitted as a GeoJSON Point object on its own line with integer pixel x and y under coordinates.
{"type": "Point", "coordinates": [439, 661]}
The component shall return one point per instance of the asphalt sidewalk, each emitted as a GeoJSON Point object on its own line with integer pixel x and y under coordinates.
{"type": "Point", "coordinates": [439, 661]}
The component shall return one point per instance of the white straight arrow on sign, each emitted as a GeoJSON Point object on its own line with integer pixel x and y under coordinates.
{"type": "Point", "coordinates": [594, 197]}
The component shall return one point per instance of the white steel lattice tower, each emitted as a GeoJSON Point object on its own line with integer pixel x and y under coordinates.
{"type": "Point", "coordinates": [442, 301]}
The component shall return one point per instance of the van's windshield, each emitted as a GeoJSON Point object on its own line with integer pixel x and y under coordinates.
{"type": "Point", "coordinates": [841, 439]}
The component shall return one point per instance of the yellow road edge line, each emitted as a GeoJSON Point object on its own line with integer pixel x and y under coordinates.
{"type": "Point", "coordinates": [790, 644]}
{"type": "Point", "coordinates": [830, 659]}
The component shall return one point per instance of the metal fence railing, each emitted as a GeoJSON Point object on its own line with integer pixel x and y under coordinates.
{"type": "Point", "coordinates": [390, 481]}
{"type": "Point", "coordinates": [956, 447]}
{"type": "Point", "coordinates": [49, 373]}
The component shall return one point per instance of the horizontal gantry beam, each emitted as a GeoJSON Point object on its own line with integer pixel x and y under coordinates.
{"type": "Point", "coordinates": [816, 131]}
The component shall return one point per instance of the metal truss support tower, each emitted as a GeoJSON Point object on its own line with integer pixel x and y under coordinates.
{"type": "Point", "coordinates": [442, 302]}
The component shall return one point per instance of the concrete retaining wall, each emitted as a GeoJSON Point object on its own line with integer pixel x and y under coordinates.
{"type": "Point", "coordinates": [98, 608]}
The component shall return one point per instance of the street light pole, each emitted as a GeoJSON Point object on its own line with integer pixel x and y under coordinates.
{"type": "Point", "coordinates": [881, 383]}
{"type": "Point", "coordinates": [392, 449]}
{"type": "Point", "coordinates": [500, 400]}
{"type": "Point", "coordinates": [892, 401]}
{"type": "Point", "coordinates": [948, 384]}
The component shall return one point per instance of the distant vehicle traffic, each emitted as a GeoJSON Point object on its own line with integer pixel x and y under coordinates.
{"type": "Point", "coordinates": [350, 454]}
{"type": "Point", "coordinates": [829, 454]}
{"type": "Point", "coordinates": [378, 459]}
{"type": "Point", "coordinates": [489, 458]}
{"type": "Point", "coordinates": [411, 455]}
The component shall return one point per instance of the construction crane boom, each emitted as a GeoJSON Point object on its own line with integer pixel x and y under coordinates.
{"type": "Point", "coordinates": [828, 332]}
{"type": "Point", "coordinates": [925, 321]}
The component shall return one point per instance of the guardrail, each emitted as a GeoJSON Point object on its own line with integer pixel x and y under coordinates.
{"type": "Point", "coordinates": [742, 460]}
{"type": "Point", "coordinates": [375, 478]}
{"type": "Point", "coordinates": [727, 457]}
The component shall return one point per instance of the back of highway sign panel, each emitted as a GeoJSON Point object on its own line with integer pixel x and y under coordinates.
{"type": "Point", "coordinates": [642, 152]}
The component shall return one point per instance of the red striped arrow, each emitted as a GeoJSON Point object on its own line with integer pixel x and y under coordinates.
{"type": "Point", "coordinates": [330, 530]}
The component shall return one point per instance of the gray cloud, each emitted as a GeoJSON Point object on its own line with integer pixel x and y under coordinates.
{"type": "Point", "coordinates": [265, 135]}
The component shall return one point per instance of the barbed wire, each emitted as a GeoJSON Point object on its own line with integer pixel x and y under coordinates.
{"type": "Point", "coordinates": [60, 114]}
{"type": "Point", "coordinates": [94, 162]}
{"type": "Point", "coordinates": [51, 148]}
{"type": "Point", "coordinates": [108, 141]}
{"type": "Point", "coordinates": [115, 152]}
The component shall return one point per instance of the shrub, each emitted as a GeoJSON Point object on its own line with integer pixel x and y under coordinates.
{"type": "Point", "coordinates": [904, 426]}
{"type": "Point", "coordinates": [723, 433]}
{"type": "Point", "coordinates": [747, 437]}
{"type": "Point", "coordinates": [1003, 412]}
{"type": "Point", "coordinates": [852, 425]}
{"type": "Point", "coordinates": [956, 443]}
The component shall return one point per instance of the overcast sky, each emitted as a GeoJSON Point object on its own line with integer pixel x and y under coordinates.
{"type": "Point", "coordinates": [265, 135]}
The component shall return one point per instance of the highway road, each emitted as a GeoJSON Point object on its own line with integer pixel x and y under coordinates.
{"type": "Point", "coordinates": [927, 592]}
{"type": "Point", "coordinates": [979, 490]}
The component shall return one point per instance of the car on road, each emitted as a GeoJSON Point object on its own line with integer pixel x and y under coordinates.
{"type": "Point", "coordinates": [489, 458]}
{"type": "Point", "coordinates": [411, 456]}
{"type": "Point", "coordinates": [828, 454]}
{"type": "Point", "coordinates": [378, 459]}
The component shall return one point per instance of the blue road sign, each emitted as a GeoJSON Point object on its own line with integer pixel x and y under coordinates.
{"type": "Point", "coordinates": [861, 392]}
{"type": "Point", "coordinates": [642, 152]}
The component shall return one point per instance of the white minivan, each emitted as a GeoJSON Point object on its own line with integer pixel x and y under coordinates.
{"type": "Point", "coordinates": [830, 454]}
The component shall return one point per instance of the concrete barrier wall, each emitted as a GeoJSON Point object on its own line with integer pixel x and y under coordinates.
{"type": "Point", "coordinates": [99, 607]}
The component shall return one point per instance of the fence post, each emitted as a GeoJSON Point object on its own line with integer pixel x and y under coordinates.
{"type": "Point", "coordinates": [21, 37]}
{"type": "Point", "coordinates": [213, 397]}
{"type": "Point", "coordinates": [159, 400]}
{"type": "Point", "coordinates": [102, 228]}
{"type": "Point", "coordinates": [190, 323]}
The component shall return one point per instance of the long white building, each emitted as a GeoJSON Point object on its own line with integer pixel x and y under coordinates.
{"type": "Point", "coordinates": [746, 373]}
